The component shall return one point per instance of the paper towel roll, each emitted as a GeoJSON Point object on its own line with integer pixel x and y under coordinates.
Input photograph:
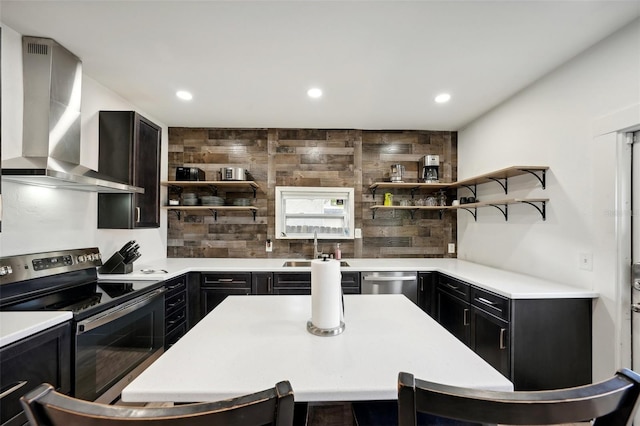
{"type": "Point", "coordinates": [326, 294]}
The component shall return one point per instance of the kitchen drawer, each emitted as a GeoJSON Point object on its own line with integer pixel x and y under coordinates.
{"type": "Point", "coordinates": [454, 287]}
{"type": "Point", "coordinates": [351, 280]}
{"type": "Point", "coordinates": [227, 280]}
{"type": "Point", "coordinates": [175, 303]}
{"type": "Point", "coordinates": [25, 364]}
{"type": "Point", "coordinates": [175, 286]}
{"type": "Point", "coordinates": [491, 303]}
{"type": "Point", "coordinates": [175, 335]}
{"type": "Point", "coordinates": [292, 279]}
{"type": "Point", "coordinates": [174, 320]}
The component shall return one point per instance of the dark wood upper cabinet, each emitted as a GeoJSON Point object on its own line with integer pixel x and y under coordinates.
{"type": "Point", "coordinates": [130, 153]}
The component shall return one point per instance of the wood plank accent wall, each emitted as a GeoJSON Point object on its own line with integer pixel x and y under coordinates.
{"type": "Point", "coordinates": [310, 157]}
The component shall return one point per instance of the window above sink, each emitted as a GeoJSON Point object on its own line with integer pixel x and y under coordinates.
{"type": "Point", "coordinates": [304, 212]}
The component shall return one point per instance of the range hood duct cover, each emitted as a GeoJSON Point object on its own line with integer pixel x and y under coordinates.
{"type": "Point", "coordinates": [51, 123]}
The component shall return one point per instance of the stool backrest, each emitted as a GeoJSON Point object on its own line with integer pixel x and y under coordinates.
{"type": "Point", "coordinates": [44, 406]}
{"type": "Point", "coordinates": [611, 402]}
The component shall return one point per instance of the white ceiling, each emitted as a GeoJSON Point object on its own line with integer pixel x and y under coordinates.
{"type": "Point", "coordinates": [380, 63]}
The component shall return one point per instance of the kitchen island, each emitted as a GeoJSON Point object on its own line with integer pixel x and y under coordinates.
{"type": "Point", "coordinates": [250, 343]}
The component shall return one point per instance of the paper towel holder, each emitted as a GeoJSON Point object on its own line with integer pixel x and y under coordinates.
{"type": "Point", "coordinates": [325, 332]}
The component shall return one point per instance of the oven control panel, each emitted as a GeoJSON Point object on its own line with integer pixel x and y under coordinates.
{"type": "Point", "coordinates": [27, 266]}
{"type": "Point", "coordinates": [51, 262]}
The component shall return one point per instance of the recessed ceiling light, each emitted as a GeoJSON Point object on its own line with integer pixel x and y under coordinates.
{"type": "Point", "coordinates": [314, 92]}
{"type": "Point", "coordinates": [184, 95]}
{"type": "Point", "coordinates": [442, 98]}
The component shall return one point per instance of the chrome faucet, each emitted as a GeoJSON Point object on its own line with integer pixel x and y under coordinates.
{"type": "Point", "coordinates": [316, 253]}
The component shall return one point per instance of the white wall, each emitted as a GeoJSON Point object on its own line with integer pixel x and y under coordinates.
{"type": "Point", "coordinates": [551, 123]}
{"type": "Point", "coordinates": [41, 219]}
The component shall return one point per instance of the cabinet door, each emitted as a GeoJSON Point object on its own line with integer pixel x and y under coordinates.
{"type": "Point", "coordinates": [490, 339]}
{"type": "Point", "coordinates": [212, 297]}
{"type": "Point", "coordinates": [146, 172]}
{"type": "Point", "coordinates": [214, 288]}
{"type": "Point", "coordinates": [427, 292]}
{"type": "Point", "coordinates": [44, 357]}
{"type": "Point", "coordinates": [129, 152]}
{"type": "Point", "coordinates": [300, 283]}
{"type": "Point", "coordinates": [261, 283]}
{"type": "Point", "coordinates": [454, 315]}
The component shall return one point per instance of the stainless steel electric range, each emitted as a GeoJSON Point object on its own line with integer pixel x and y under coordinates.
{"type": "Point", "coordinates": [118, 325]}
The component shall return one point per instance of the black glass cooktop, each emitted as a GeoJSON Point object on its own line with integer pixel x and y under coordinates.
{"type": "Point", "coordinates": [86, 299]}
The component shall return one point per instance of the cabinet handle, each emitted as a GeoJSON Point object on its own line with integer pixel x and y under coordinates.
{"type": "Point", "coordinates": [171, 287]}
{"type": "Point", "coordinates": [421, 283]}
{"type": "Point", "coordinates": [12, 388]}
{"type": "Point", "coordinates": [179, 301]}
{"type": "Point", "coordinates": [465, 317]}
{"type": "Point", "coordinates": [452, 287]}
{"type": "Point", "coordinates": [502, 334]}
{"type": "Point", "coordinates": [137, 214]}
{"type": "Point", "coordinates": [269, 285]}
{"type": "Point", "coordinates": [486, 301]}
{"type": "Point", "coordinates": [225, 280]}
{"type": "Point", "coordinates": [175, 321]}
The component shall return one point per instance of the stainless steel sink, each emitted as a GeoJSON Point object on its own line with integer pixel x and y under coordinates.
{"type": "Point", "coordinates": [303, 263]}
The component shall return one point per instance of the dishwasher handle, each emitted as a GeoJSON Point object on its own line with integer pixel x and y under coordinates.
{"type": "Point", "coordinates": [401, 278]}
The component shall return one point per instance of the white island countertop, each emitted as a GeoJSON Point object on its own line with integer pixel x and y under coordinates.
{"type": "Point", "coordinates": [248, 344]}
{"type": "Point", "coordinates": [15, 326]}
{"type": "Point", "coordinates": [508, 284]}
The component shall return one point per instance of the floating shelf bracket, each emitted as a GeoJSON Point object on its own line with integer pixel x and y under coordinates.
{"type": "Point", "coordinates": [542, 178]}
{"type": "Point", "coordinates": [177, 212]}
{"type": "Point", "coordinates": [503, 182]}
{"type": "Point", "coordinates": [373, 192]}
{"type": "Point", "coordinates": [471, 188]}
{"type": "Point", "coordinates": [214, 212]}
{"type": "Point", "coordinates": [504, 211]}
{"type": "Point", "coordinates": [542, 209]}
{"type": "Point", "coordinates": [474, 213]}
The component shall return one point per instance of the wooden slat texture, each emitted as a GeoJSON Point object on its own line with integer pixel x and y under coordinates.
{"type": "Point", "coordinates": [306, 157]}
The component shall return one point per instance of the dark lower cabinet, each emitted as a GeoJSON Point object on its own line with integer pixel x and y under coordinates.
{"type": "Point", "coordinates": [176, 310]}
{"type": "Point", "coordinates": [489, 338]}
{"type": "Point", "coordinates": [538, 344]}
{"type": "Point", "coordinates": [551, 343]}
{"type": "Point", "coordinates": [453, 308]}
{"type": "Point", "coordinates": [427, 292]}
{"type": "Point", "coordinates": [215, 287]}
{"type": "Point", "coordinates": [454, 315]}
{"type": "Point", "coordinates": [300, 283]}
{"type": "Point", "coordinates": [262, 282]}
{"type": "Point", "coordinates": [43, 357]}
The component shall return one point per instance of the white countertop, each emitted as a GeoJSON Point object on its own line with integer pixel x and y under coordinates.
{"type": "Point", "coordinates": [508, 284]}
{"type": "Point", "coordinates": [248, 344]}
{"type": "Point", "coordinates": [18, 325]}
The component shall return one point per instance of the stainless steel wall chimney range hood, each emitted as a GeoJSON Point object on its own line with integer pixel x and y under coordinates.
{"type": "Point", "coordinates": [51, 123]}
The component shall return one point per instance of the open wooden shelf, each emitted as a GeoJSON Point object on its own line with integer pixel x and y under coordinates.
{"type": "Point", "coordinates": [213, 209]}
{"type": "Point", "coordinates": [499, 176]}
{"type": "Point", "coordinates": [213, 185]}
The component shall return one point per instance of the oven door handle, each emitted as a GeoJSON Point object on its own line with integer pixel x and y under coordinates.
{"type": "Point", "coordinates": [117, 312]}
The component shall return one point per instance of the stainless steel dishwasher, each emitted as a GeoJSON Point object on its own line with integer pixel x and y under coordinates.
{"type": "Point", "coordinates": [390, 283]}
